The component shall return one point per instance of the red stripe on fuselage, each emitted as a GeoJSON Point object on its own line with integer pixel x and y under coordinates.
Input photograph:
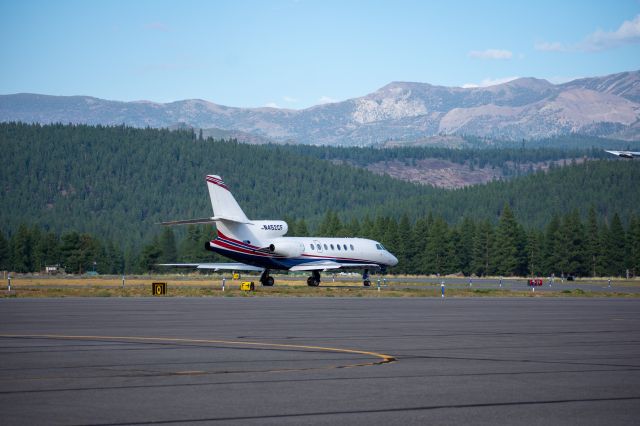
{"type": "Point", "coordinates": [242, 243]}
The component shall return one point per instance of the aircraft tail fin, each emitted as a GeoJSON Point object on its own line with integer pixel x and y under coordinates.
{"type": "Point", "coordinates": [225, 206]}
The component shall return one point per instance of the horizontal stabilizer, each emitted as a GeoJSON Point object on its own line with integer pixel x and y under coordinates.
{"type": "Point", "coordinates": [323, 265]}
{"type": "Point", "coordinates": [203, 220]}
{"type": "Point", "coordinates": [188, 221]}
{"type": "Point", "coordinates": [215, 266]}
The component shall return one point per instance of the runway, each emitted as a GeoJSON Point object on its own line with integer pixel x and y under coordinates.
{"type": "Point", "coordinates": [250, 360]}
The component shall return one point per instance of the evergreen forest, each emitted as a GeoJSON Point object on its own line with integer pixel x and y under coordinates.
{"type": "Point", "coordinates": [89, 197]}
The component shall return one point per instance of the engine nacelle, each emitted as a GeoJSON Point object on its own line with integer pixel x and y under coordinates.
{"type": "Point", "coordinates": [286, 248]}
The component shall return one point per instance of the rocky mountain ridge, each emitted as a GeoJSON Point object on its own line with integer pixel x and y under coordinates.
{"type": "Point", "coordinates": [526, 108]}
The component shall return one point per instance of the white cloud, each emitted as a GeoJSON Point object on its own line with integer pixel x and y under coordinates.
{"type": "Point", "coordinates": [271, 105]}
{"type": "Point", "coordinates": [627, 33]}
{"type": "Point", "coordinates": [289, 99]}
{"type": "Point", "coordinates": [326, 100]}
{"type": "Point", "coordinates": [550, 47]}
{"type": "Point", "coordinates": [491, 54]}
{"type": "Point", "coordinates": [489, 82]}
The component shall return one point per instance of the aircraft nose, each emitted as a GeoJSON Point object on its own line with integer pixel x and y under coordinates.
{"type": "Point", "coordinates": [393, 261]}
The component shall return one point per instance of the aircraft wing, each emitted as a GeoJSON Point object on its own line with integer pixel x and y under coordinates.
{"type": "Point", "coordinates": [215, 266]}
{"type": "Point", "coordinates": [323, 265]}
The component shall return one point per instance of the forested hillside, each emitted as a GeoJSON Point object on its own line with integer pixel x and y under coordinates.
{"type": "Point", "coordinates": [117, 182]}
{"type": "Point", "coordinates": [567, 245]}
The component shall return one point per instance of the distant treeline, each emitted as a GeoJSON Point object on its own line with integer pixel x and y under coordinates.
{"type": "Point", "coordinates": [567, 245]}
{"type": "Point", "coordinates": [507, 156]}
{"type": "Point", "coordinates": [31, 249]}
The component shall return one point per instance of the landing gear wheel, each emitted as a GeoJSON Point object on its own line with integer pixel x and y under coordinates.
{"type": "Point", "coordinates": [314, 279]}
{"type": "Point", "coordinates": [268, 282]}
{"type": "Point", "coordinates": [367, 283]}
{"type": "Point", "coordinates": [266, 279]}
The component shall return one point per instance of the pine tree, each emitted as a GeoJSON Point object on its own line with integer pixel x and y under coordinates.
{"type": "Point", "coordinates": [71, 253]}
{"type": "Point", "coordinates": [550, 249]}
{"type": "Point", "coordinates": [419, 238]}
{"type": "Point", "coordinates": [464, 249]}
{"type": "Point", "coordinates": [483, 246]}
{"type": "Point", "coordinates": [168, 248]}
{"type": "Point", "coordinates": [301, 228]}
{"type": "Point", "coordinates": [437, 248]}
{"type": "Point", "coordinates": [190, 249]}
{"type": "Point", "coordinates": [509, 247]}
{"type": "Point", "coordinates": [534, 253]}
{"type": "Point", "coordinates": [37, 249]}
{"type": "Point", "coordinates": [616, 243]}
{"type": "Point", "coordinates": [403, 250]}
{"type": "Point", "coordinates": [21, 247]}
{"type": "Point", "coordinates": [593, 248]}
{"type": "Point", "coordinates": [572, 246]}
{"type": "Point", "coordinates": [150, 255]}
{"type": "Point", "coordinates": [330, 225]}
{"type": "Point", "coordinates": [4, 253]}
{"type": "Point", "coordinates": [634, 245]}
{"type": "Point", "coordinates": [354, 228]}
{"type": "Point", "coordinates": [366, 228]}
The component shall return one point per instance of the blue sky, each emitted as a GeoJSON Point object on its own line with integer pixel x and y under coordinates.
{"type": "Point", "coordinates": [298, 53]}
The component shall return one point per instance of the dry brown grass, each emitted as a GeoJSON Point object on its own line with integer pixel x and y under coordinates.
{"type": "Point", "coordinates": [211, 286]}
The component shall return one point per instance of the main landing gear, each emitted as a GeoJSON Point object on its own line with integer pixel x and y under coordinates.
{"type": "Point", "coordinates": [266, 279]}
{"type": "Point", "coordinates": [314, 279]}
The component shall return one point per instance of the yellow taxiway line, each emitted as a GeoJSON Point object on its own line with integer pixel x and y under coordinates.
{"type": "Point", "coordinates": [385, 359]}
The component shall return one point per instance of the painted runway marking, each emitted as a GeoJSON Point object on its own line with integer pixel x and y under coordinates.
{"type": "Point", "coordinates": [384, 359]}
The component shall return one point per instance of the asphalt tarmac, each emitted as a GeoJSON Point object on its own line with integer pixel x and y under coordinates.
{"type": "Point", "coordinates": [246, 360]}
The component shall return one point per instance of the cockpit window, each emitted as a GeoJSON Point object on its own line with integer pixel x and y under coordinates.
{"type": "Point", "coordinates": [378, 246]}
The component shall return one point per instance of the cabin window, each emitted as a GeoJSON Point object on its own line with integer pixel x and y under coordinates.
{"type": "Point", "coordinates": [332, 247]}
{"type": "Point", "coordinates": [338, 246]}
{"type": "Point", "coordinates": [345, 247]}
{"type": "Point", "coordinates": [312, 246]}
{"type": "Point", "coordinates": [325, 247]}
{"type": "Point", "coordinates": [319, 247]}
{"type": "Point", "coordinates": [352, 247]}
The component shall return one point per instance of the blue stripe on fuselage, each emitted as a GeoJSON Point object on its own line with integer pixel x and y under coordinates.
{"type": "Point", "coordinates": [273, 263]}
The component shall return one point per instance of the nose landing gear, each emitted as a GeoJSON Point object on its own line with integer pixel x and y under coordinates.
{"type": "Point", "coordinates": [365, 278]}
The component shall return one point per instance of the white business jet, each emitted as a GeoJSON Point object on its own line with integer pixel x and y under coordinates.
{"type": "Point", "coordinates": [624, 154]}
{"type": "Point", "coordinates": [260, 245]}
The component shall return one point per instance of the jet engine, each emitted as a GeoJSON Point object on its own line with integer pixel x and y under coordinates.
{"type": "Point", "coordinates": [286, 248]}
